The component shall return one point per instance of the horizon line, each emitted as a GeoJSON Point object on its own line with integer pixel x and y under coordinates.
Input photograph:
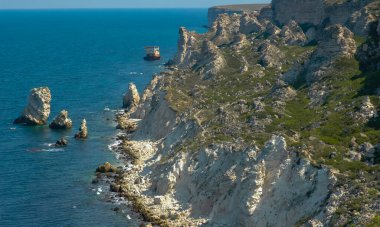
{"type": "Point", "coordinates": [64, 8]}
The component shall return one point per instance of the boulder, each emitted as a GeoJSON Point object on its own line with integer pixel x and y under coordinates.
{"type": "Point", "coordinates": [61, 142]}
{"type": "Point", "coordinates": [115, 187]}
{"type": "Point", "coordinates": [82, 134]}
{"type": "Point", "coordinates": [106, 168]}
{"type": "Point", "coordinates": [131, 98]}
{"type": "Point", "coordinates": [38, 109]}
{"type": "Point", "coordinates": [62, 121]}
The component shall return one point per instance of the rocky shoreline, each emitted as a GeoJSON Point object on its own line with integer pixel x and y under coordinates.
{"type": "Point", "coordinates": [260, 122]}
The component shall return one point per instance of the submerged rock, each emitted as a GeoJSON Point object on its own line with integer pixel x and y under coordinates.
{"type": "Point", "coordinates": [62, 121]}
{"type": "Point", "coordinates": [106, 168]}
{"type": "Point", "coordinates": [38, 109]}
{"type": "Point", "coordinates": [82, 134]}
{"type": "Point", "coordinates": [131, 98]}
{"type": "Point", "coordinates": [61, 142]}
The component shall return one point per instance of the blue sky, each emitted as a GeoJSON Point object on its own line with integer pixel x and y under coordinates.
{"type": "Point", "coordinates": [30, 4]}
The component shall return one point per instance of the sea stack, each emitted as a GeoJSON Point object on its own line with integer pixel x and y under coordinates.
{"type": "Point", "coordinates": [82, 134]}
{"type": "Point", "coordinates": [131, 98]}
{"type": "Point", "coordinates": [38, 109]}
{"type": "Point", "coordinates": [62, 121]}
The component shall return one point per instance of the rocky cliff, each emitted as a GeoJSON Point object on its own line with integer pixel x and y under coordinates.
{"type": "Point", "coordinates": [356, 14]}
{"type": "Point", "coordinates": [215, 11]}
{"type": "Point", "coordinates": [37, 110]}
{"type": "Point", "coordinates": [268, 119]}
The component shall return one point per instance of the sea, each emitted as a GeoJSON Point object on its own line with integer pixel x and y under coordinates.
{"type": "Point", "coordinates": [87, 57]}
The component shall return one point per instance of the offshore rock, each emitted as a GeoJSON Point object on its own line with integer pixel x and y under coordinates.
{"type": "Point", "coordinates": [82, 134]}
{"type": "Point", "coordinates": [61, 142]}
{"type": "Point", "coordinates": [38, 109]}
{"type": "Point", "coordinates": [62, 121]}
{"type": "Point", "coordinates": [131, 98]}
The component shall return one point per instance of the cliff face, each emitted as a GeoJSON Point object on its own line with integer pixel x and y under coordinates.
{"type": "Point", "coordinates": [214, 12]}
{"type": "Point", "coordinates": [318, 12]}
{"type": "Point", "coordinates": [263, 124]}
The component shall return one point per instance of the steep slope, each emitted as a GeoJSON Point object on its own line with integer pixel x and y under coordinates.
{"type": "Point", "coordinates": [268, 119]}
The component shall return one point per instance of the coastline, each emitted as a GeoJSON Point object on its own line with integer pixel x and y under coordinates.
{"type": "Point", "coordinates": [203, 153]}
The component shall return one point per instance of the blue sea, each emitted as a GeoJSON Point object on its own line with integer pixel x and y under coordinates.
{"type": "Point", "coordinates": [87, 58]}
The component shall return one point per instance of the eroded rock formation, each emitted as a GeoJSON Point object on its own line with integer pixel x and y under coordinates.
{"type": "Point", "coordinates": [62, 121]}
{"type": "Point", "coordinates": [38, 109]}
{"type": "Point", "coordinates": [131, 98]}
{"type": "Point", "coordinates": [83, 133]}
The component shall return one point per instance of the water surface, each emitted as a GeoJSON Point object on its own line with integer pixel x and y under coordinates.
{"type": "Point", "coordinates": [86, 58]}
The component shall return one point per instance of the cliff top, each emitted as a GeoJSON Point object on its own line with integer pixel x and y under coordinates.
{"type": "Point", "coordinates": [242, 7]}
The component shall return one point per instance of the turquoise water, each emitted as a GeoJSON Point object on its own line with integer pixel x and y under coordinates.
{"type": "Point", "coordinates": [87, 58]}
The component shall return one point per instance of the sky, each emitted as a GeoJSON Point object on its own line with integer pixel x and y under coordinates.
{"type": "Point", "coordinates": [38, 4]}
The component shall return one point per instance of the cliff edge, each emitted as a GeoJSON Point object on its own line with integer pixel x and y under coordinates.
{"type": "Point", "coordinates": [268, 119]}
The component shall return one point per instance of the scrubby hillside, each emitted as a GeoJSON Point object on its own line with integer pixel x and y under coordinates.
{"type": "Point", "coordinates": [268, 119]}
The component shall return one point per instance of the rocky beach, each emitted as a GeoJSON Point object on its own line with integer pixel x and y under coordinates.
{"type": "Point", "coordinates": [270, 118]}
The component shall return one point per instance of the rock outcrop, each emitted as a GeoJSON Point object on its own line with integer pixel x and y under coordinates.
{"type": "Point", "coordinates": [198, 53]}
{"type": "Point", "coordinates": [212, 60]}
{"type": "Point", "coordinates": [292, 34]}
{"type": "Point", "coordinates": [214, 12]}
{"type": "Point", "coordinates": [187, 49]}
{"type": "Point", "coordinates": [366, 111]}
{"type": "Point", "coordinates": [62, 121]}
{"type": "Point", "coordinates": [61, 142]}
{"type": "Point", "coordinates": [352, 14]}
{"type": "Point", "coordinates": [334, 43]}
{"type": "Point", "coordinates": [337, 41]}
{"type": "Point", "coordinates": [38, 109]}
{"type": "Point", "coordinates": [106, 168]}
{"type": "Point", "coordinates": [83, 133]}
{"type": "Point", "coordinates": [271, 56]}
{"type": "Point", "coordinates": [131, 98]}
